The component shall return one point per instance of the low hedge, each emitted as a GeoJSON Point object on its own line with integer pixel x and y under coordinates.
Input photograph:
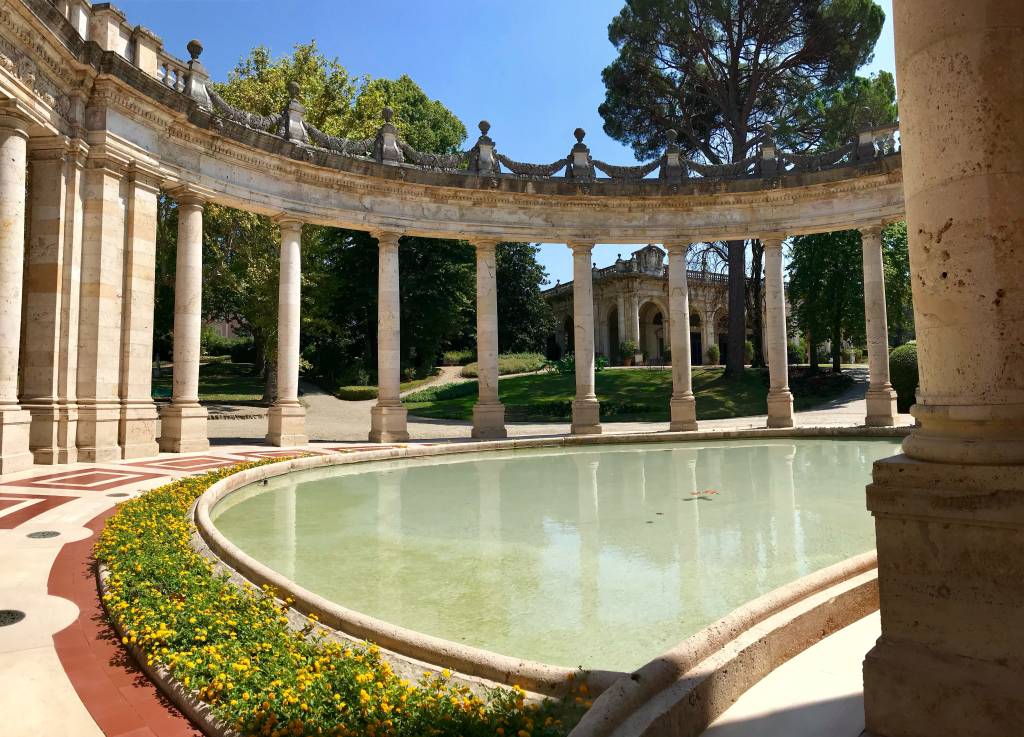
{"type": "Point", "coordinates": [457, 358]}
{"type": "Point", "coordinates": [233, 649]}
{"type": "Point", "coordinates": [509, 363]}
{"type": "Point", "coordinates": [356, 393]}
{"type": "Point", "coordinates": [903, 374]}
{"type": "Point", "coordinates": [453, 390]}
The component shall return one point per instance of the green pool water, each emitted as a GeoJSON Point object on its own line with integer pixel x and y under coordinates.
{"type": "Point", "coordinates": [601, 557]}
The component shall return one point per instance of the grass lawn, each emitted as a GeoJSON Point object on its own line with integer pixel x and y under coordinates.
{"type": "Point", "coordinates": [218, 382]}
{"type": "Point", "coordinates": [627, 395]}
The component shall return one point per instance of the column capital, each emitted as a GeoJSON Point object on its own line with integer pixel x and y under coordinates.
{"type": "Point", "coordinates": [578, 248]}
{"type": "Point", "coordinates": [679, 246]}
{"type": "Point", "coordinates": [145, 176]}
{"type": "Point", "coordinates": [485, 243]}
{"type": "Point", "coordinates": [49, 148]}
{"type": "Point", "coordinates": [188, 196]}
{"type": "Point", "coordinates": [286, 221]}
{"type": "Point", "coordinates": [871, 231]}
{"type": "Point", "coordinates": [386, 237]}
{"type": "Point", "coordinates": [14, 124]}
{"type": "Point", "coordinates": [772, 240]}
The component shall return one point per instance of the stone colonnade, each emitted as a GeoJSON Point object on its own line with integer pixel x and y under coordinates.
{"type": "Point", "coordinates": [949, 514]}
{"type": "Point", "coordinates": [83, 342]}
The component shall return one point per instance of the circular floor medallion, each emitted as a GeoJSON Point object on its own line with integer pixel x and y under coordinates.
{"type": "Point", "coordinates": [42, 534]}
{"type": "Point", "coordinates": [10, 616]}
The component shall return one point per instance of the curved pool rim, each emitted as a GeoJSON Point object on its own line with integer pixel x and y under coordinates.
{"type": "Point", "coordinates": [532, 675]}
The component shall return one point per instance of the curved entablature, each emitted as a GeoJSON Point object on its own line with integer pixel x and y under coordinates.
{"type": "Point", "coordinates": [81, 71]}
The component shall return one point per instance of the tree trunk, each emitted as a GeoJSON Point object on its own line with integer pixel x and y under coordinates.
{"type": "Point", "coordinates": [737, 251]}
{"type": "Point", "coordinates": [837, 352]}
{"type": "Point", "coordinates": [757, 302]}
{"type": "Point", "coordinates": [270, 388]}
{"type": "Point", "coordinates": [812, 353]}
{"type": "Point", "coordinates": [259, 358]}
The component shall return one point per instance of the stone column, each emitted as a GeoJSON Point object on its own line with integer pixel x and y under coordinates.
{"type": "Point", "coordinates": [684, 408]}
{"type": "Point", "coordinates": [881, 399]}
{"type": "Point", "coordinates": [183, 421]}
{"type": "Point", "coordinates": [949, 515]}
{"type": "Point", "coordinates": [44, 299]}
{"type": "Point", "coordinates": [388, 417]}
{"type": "Point", "coordinates": [139, 419]}
{"type": "Point", "coordinates": [488, 413]}
{"type": "Point", "coordinates": [287, 418]}
{"type": "Point", "coordinates": [780, 400]}
{"type": "Point", "coordinates": [586, 412]}
{"type": "Point", "coordinates": [620, 314]}
{"type": "Point", "coordinates": [67, 372]}
{"type": "Point", "coordinates": [633, 315]}
{"type": "Point", "coordinates": [14, 421]}
{"type": "Point", "coordinates": [99, 333]}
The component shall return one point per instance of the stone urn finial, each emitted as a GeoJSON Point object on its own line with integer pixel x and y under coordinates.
{"type": "Point", "coordinates": [484, 127]}
{"type": "Point", "coordinates": [672, 135]}
{"type": "Point", "coordinates": [387, 113]}
{"type": "Point", "coordinates": [293, 89]}
{"type": "Point", "coordinates": [194, 49]}
{"type": "Point", "coordinates": [580, 134]}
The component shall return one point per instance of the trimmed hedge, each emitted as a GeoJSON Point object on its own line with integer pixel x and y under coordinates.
{"type": "Point", "coordinates": [903, 374]}
{"type": "Point", "coordinates": [356, 393]}
{"type": "Point", "coordinates": [233, 649]}
{"type": "Point", "coordinates": [457, 358]}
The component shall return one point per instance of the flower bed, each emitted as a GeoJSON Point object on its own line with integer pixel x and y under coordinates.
{"type": "Point", "coordinates": [233, 649]}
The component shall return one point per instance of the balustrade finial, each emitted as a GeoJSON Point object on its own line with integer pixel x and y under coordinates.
{"type": "Point", "coordinates": [195, 48]}
{"type": "Point", "coordinates": [387, 113]}
{"type": "Point", "coordinates": [580, 135]}
{"type": "Point", "coordinates": [484, 127]}
{"type": "Point", "coordinates": [293, 89]}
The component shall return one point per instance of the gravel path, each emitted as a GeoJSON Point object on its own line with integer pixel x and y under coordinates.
{"type": "Point", "coordinates": [328, 418]}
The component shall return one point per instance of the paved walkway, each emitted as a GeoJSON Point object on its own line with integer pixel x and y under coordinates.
{"type": "Point", "coordinates": [63, 671]}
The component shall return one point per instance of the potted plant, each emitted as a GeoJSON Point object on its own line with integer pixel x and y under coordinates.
{"type": "Point", "coordinates": [629, 350]}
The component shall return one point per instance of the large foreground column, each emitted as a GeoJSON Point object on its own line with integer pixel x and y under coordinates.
{"type": "Point", "coordinates": [140, 423]}
{"type": "Point", "coordinates": [183, 422]}
{"type": "Point", "coordinates": [488, 413]}
{"type": "Point", "coordinates": [586, 412]}
{"type": "Point", "coordinates": [684, 408]}
{"type": "Point", "coordinates": [881, 399]}
{"type": "Point", "coordinates": [287, 418]}
{"type": "Point", "coordinates": [388, 416]}
{"type": "Point", "coordinates": [101, 304]}
{"type": "Point", "coordinates": [780, 400]}
{"type": "Point", "coordinates": [14, 421]}
{"type": "Point", "coordinates": [949, 515]}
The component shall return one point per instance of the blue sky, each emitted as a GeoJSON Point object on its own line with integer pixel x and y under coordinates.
{"type": "Point", "coordinates": [530, 67]}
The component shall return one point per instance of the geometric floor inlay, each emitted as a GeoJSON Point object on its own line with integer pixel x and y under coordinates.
{"type": "Point", "coordinates": [16, 508]}
{"type": "Point", "coordinates": [193, 463]}
{"type": "Point", "coordinates": [85, 479]}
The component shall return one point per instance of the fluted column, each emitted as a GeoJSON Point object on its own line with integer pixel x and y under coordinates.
{"type": "Point", "coordinates": [488, 413]}
{"type": "Point", "coordinates": [139, 419]}
{"type": "Point", "coordinates": [586, 412]}
{"type": "Point", "coordinates": [949, 515]}
{"type": "Point", "coordinates": [14, 421]}
{"type": "Point", "coordinates": [287, 418]}
{"type": "Point", "coordinates": [183, 422]}
{"type": "Point", "coordinates": [780, 400]}
{"type": "Point", "coordinates": [101, 305]}
{"type": "Point", "coordinates": [388, 417]}
{"type": "Point", "coordinates": [881, 399]}
{"type": "Point", "coordinates": [683, 406]}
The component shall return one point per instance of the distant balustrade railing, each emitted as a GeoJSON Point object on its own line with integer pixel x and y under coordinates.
{"type": "Point", "coordinates": [619, 268]}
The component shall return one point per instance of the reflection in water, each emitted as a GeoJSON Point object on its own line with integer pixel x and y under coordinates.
{"type": "Point", "coordinates": [599, 557]}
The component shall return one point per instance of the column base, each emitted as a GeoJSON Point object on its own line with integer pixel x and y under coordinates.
{"type": "Point", "coordinates": [780, 408]}
{"type": "Point", "coordinates": [183, 429]}
{"type": "Point", "coordinates": [140, 423]}
{"type": "Point", "coordinates": [15, 426]}
{"type": "Point", "coordinates": [53, 433]}
{"type": "Point", "coordinates": [881, 403]}
{"type": "Point", "coordinates": [388, 424]}
{"type": "Point", "coordinates": [586, 417]}
{"type": "Point", "coordinates": [684, 414]}
{"type": "Point", "coordinates": [950, 562]}
{"type": "Point", "coordinates": [286, 425]}
{"type": "Point", "coordinates": [489, 421]}
{"type": "Point", "coordinates": [98, 426]}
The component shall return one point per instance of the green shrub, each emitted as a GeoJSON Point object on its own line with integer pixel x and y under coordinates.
{"type": "Point", "coordinates": [232, 647]}
{"type": "Point", "coordinates": [629, 348]}
{"type": "Point", "coordinates": [509, 363]}
{"type": "Point", "coordinates": [458, 358]}
{"type": "Point", "coordinates": [714, 354]}
{"type": "Point", "coordinates": [600, 364]}
{"type": "Point", "coordinates": [903, 374]}
{"type": "Point", "coordinates": [748, 351]}
{"type": "Point", "coordinates": [796, 351]}
{"type": "Point", "coordinates": [356, 393]}
{"type": "Point", "coordinates": [564, 365]}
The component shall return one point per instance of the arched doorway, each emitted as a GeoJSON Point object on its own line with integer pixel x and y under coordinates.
{"type": "Point", "coordinates": [614, 339]}
{"type": "Point", "coordinates": [696, 341]}
{"type": "Point", "coordinates": [652, 333]}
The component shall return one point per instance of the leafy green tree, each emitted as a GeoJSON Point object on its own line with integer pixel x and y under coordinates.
{"type": "Point", "coordinates": [898, 299]}
{"type": "Point", "coordinates": [525, 319]}
{"type": "Point", "coordinates": [719, 73]}
{"type": "Point", "coordinates": [831, 117]}
{"type": "Point", "coordinates": [826, 288]}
